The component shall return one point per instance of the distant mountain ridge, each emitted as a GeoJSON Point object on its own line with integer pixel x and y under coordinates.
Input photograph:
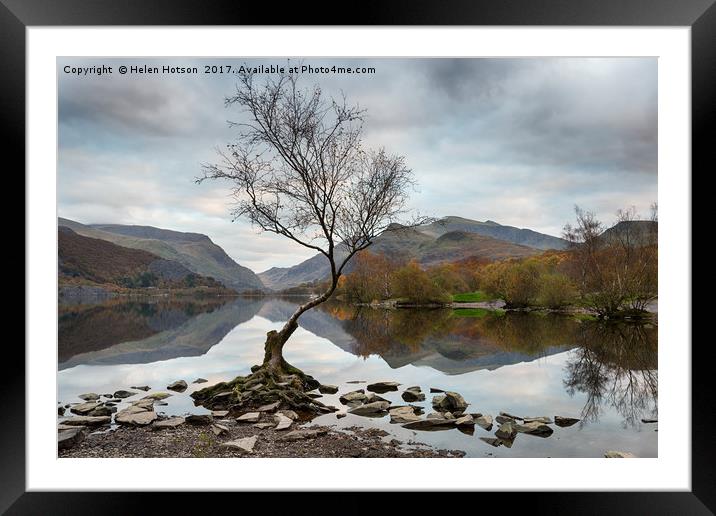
{"type": "Point", "coordinates": [446, 240]}
{"type": "Point", "coordinates": [194, 251]}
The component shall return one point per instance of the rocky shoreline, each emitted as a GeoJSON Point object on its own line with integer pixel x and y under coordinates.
{"type": "Point", "coordinates": [126, 424]}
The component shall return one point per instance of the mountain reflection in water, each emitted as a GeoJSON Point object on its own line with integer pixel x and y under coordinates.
{"type": "Point", "coordinates": [608, 365]}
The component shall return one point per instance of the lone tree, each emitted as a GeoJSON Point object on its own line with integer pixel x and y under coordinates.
{"type": "Point", "coordinates": [298, 169]}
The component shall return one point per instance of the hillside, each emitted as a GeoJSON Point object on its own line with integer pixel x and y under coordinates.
{"type": "Point", "coordinates": [404, 243]}
{"type": "Point", "coordinates": [493, 229]}
{"type": "Point", "coordinates": [194, 251]}
{"type": "Point", "coordinates": [83, 260]}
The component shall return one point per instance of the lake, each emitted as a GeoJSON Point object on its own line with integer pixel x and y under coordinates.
{"type": "Point", "coordinates": [529, 365]}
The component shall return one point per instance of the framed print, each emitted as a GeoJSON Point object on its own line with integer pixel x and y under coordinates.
{"type": "Point", "coordinates": [268, 252]}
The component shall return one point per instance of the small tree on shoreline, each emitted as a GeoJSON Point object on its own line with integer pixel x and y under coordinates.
{"type": "Point", "coordinates": [299, 170]}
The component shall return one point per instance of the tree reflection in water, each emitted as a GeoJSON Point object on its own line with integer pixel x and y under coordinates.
{"type": "Point", "coordinates": [615, 364]}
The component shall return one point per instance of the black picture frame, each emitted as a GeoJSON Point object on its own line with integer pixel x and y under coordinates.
{"type": "Point", "coordinates": [700, 15]}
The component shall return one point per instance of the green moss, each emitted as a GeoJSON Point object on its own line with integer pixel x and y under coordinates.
{"type": "Point", "coordinates": [585, 317]}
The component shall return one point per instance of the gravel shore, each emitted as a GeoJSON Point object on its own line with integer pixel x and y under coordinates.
{"type": "Point", "coordinates": [200, 441]}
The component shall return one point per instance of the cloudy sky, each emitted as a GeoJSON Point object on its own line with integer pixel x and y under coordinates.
{"type": "Point", "coordinates": [517, 141]}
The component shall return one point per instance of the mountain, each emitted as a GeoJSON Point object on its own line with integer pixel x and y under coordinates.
{"type": "Point", "coordinates": [639, 232]}
{"type": "Point", "coordinates": [493, 229]}
{"type": "Point", "coordinates": [450, 239]}
{"type": "Point", "coordinates": [83, 259]}
{"type": "Point", "coordinates": [194, 251]}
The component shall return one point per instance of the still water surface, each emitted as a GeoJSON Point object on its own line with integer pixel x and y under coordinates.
{"type": "Point", "coordinates": [527, 365]}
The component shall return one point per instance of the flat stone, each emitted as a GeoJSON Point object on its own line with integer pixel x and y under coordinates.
{"type": "Point", "coordinates": [297, 435]}
{"type": "Point", "coordinates": [371, 397]}
{"type": "Point", "coordinates": [263, 426]}
{"type": "Point", "coordinates": [614, 454]}
{"type": "Point", "coordinates": [249, 417]}
{"type": "Point", "coordinates": [381, 387]}
{"type": "Point", "coordinates": [506, 431]}
{"type": "Point", "coordinates": [144, 388]}
{"type": "Point", "coordinates": [61, 426]}
{"type": "Point", "coordinates": [410, 396]}
{"type": "Point", "coordinates": [135, 416]}
{"type": "Point", "coordinates": [157, 396]}
{"type": "Point", "coordinates": [102, 411]}
{"type": "Point", "coordinates": [199, 419]}
{"type": "Point", "coordinates": [87, 421]}
{"type": "Point", "coordinates": [146, 404]}
{"type": "Point", "coordinates": [540, 419]}
{"type": "Point", "coordinates": [435, 389]}
{"type": "Point", "coordinates": [435, 415]}
{"type": "Point", "coordinates": [341, 415]}
{"type": "Point", "coordinates": [497, 442]}
{"type": "Point", "coordinates": [485, 422]}
{"type": "Point", "coordinates": [371, 409]}
{"type": "Point", "coordinates": [327, 389]}
{"type": "Point", "coordinates": [282, 422]}
{"type": "Point", "coordinates": [533, 428]}
{"type": "Point", "coordinates": [84, 408]}
{"type": "Point", "coordinates": [504, 419]}
{"type": "Point", "coordinates": [69, 438]}
{"type": "Point", "coordinates": [431, 424]}
{"type": "Point", "coordinates": [270, 407]}
{"type": "Point", "coordinates": [219, 429]}
{"type": "Point", "coordinates": [353, 396]}
{"type": "Point", "coordinates": [200, 380]}
{"type": "Point", "coordinates": [90, 396]}
{"type": "Point", "coordinates": [465, 420]}
{"type": "Point", "coordinates": [649, 420]}
{"type": "Point", "coordinates": [123, 394]}
{"type": "Point", "coordinates": [172, 422]}
{"type": "Point", "coordinates": [565, 421]}
{"type": "Point", "coordinates": [356, 381]}
{"type": "Point", "coordinates": [507, 414]}
{"type": "Point", "coordinates": [178, 386]}
{"type": "Point", "coordinates": [245, 445]}
{"type": "Point", "coordinates": [403, 415]}
{"type": "Point", "coordinates": [289, 414]}
{"type": "Point", "coordinates": [219, 413]}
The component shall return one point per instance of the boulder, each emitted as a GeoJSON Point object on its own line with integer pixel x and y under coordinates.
{"type": "Point", "coordinates": [306, 433]}
{"type": "Point", "coordinates": [123, 394]}
{"type": "Point", "coordinates": [328, 389]}
{"type": "Point", "coordinates": [614, 454]}
{"type": "Point", "coordinates": [178, 386]}
{"type": "Point", "coordinates": [144, 388]}
{"type": "Point", "coordinates": [199, 419]}
{"type": "Point", "coordinates": [135, 416]}
{"type": "Point", "coordinates": [270, 407]}
{"type": "Point", "coordinates": [157, 396]}
{"type": "Point", "coordinates": [431, 424]}
{"type": "Point", "coordinates": [507, 414]}
{"type": "Point", "coordinates": [219, 413]}
{"type": "Point", "coordinates": [497, 442]}
{"type": "Point", "coordinates": [282, 422]}
{"type": "Point", "coordinates": [504, 419]}
{"type": "Point", "coordinates": [341, 415]}
{"type": "Point", "coordinates": [448, 415]}
{"type": "Point", "coordinates": [219, 429]}
{"type": "Point", "coordinates": [533, 428]}
{"type": "Point", "coordinates": [200, 380]}
{"type": "Point", "coordinates": [84, 408]}
{"type": "Point", "coordinates": [371, 397]}
{"type": "Point", "coordinates": [245, 445]}
{"type": "Point", "coordinates": [377, 408]}
{"type": "Point", "coordinates": [382, 387]}
{"type": "Point", "coordinates": [172, 422]}
{"type": "Point", "coordinates": [565, 421]}
{"type": "Point", "coordinates": [484, 421]}
{"type": "Point", "coordinates": [69, 438]}
{"type": "Point", "coordinates": [353, 396]}
{"type": "Point", "coordinates": [87, 421]}
{"type": "Point", "coordinates": [146, 404]}
{"type": "Point", "coordinates": [449, 401]}
{"type": "Point", "coordinates": [60, 411]}
{"type": "Point", "coordinates": [506, 431]}
{"type": "Point", "coordinates": [403, 415]}
{"type": "Point", "coordinates": [249, 417]}
{"type": "Point", "coordinates": [90, 396]}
